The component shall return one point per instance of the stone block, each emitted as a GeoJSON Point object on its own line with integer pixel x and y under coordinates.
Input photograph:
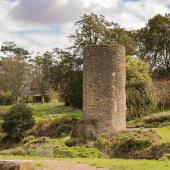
{"type": "Point", "coordinates": [16, 165]}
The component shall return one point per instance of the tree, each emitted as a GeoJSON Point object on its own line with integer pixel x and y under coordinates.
{"type": "Point", "coordinates": [14, 70]}
{"type": "Point", "coordinates": [67, 74]}
{"type": "Point", "coordinates": [154, 42]}
{"type": "Point", "coordinates": [17, 121]}
{"type": "Point", "coordinates": [139, 89]}
{"type": "Point", "coordinates": [38, 77]}
{"type": "Point", "coordinates": [95, 29]}
{"type": "Point", "coordinates": [64, 72]}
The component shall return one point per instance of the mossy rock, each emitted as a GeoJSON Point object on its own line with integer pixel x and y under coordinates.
{"type": "Point", "coordinates": [78, 141]}
{"type": "Point", "coordinates": [71, 142]}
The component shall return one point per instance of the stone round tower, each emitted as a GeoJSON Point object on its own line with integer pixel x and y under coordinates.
{"type": "Point", "coordinates": [104, 98]}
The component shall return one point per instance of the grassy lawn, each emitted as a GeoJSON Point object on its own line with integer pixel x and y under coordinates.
{"type": "Point", "coordinates": [112, 164]}
{"type": "Point", "coordinates": [164, 133]}
{"type": "Point", "coordinates": [51, 111]}
{"type": "Point", "coordinates": [53, 148]}
{"type": "Point", "coordinates": [122, 164]}
{"type": "Point", "coordinates": [81, 154]}
{"type": "Point", "coordinates": [61, 150]}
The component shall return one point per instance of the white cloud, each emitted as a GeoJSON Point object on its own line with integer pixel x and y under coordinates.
{"type": "Point", "coordinates": [37, 42]}
{"type": "Point", "coordinates": [47, 11]}
{"type": "Point", "coordinates": [44, 24]}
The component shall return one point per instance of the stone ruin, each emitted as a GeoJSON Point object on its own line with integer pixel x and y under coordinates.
{"type": "Point", "coordinates": [104, 97]}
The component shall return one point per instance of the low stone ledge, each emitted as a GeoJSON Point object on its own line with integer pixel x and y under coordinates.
{"type": "Point", "coordinates": [16, 165]}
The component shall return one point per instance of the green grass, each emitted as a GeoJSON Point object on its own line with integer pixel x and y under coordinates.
{"type": "Point", "coordinates": [164, 133]}
{"type": "Point", "coordinates": [51, 111]}
{"type": "Point", "coordinates": [61, 150]}
{"type": "Point", "coordinates": [83, 154]}
{"type": "Point", "coordinates": [112, 164]}
{"type": "Point", "coordinates": [53, 148]}
{"type": "Point", "coordinates": [122, 164]}
{"type": "Point", "coordinates": [157, 119]}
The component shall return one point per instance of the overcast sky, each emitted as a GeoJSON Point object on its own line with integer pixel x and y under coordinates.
{"type": "Point", "coordinates": [40, 25]}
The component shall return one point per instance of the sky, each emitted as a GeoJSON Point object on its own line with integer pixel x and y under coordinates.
{"type": "Point", "coordinates": [41, 25]}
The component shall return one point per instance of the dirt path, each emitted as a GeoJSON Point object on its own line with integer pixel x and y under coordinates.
{"type": "Point", "coordinates": [62, 165]}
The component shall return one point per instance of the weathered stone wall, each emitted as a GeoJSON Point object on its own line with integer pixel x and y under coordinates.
{"type": "Point", "coordinates": [104, 99]}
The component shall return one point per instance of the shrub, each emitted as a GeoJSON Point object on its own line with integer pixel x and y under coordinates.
{"type": "Point", "coordinates": [56, 128]}
{"type": "Point", "coordinates": [78, 141]}
{"type": "Point", "coordinates": [72, 92]}
{"type": "Point", "coordinates": [129, 145]}
{"type": "Point", "coordinates": [156, 151]}
{"type": "Point", "coordinates": [39, 141]}
{"type": "Point", "coordinates": [162, 92]}
{"type": "Point", "coordinates": [64, 129]}
{"type": "Point", "coordinates": [139, 89]}
{"type": "Point", "coordinates": [17, 121]}
{"type": "Point", "coordinates": [123, 145]}
{"type": "Point", "coordinates": [16, 151]}
{"type": "Point", "coordinates": [133, 145]}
